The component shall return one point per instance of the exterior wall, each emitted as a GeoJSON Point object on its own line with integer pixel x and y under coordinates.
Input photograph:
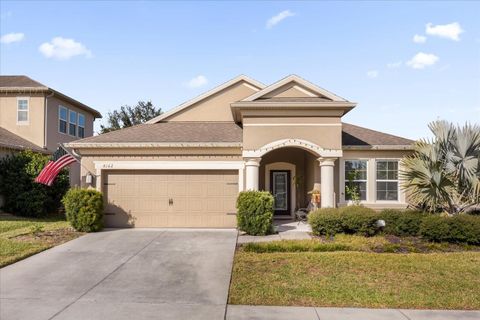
{"type": "Point", "coordinates": [54, 137]}
{"type": "Point", "coordinates": [34, 130]}
{"type": "Point", "coordinates": [291, 90]}
{"type": "Point", "coordinates": [323, 131]}
{"type": "Point", "coordinates": [371, 156]}
{"type": "Point", "coordinates": [89, 156]}
{"type": "Point", "coordinates": [306, 167]}
{"type": "Point", "coordinates": [215, 107]}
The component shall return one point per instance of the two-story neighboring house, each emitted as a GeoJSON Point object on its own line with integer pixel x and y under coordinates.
{"type": "Point", "coordinates": [36, 117]}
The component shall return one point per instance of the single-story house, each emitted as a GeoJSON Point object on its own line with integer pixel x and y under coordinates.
{"type": "Point", "coordinates": [185, 167]}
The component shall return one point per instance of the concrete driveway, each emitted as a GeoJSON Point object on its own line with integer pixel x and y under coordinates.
{"type": "Point", "coordinates": [123, 274]}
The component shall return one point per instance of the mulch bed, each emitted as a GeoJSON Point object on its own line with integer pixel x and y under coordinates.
{"type": "Point", "coordinates": [51, 237]}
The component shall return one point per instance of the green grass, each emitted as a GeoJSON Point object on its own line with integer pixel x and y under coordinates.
{"type": "Point", "coordinates": [342, 242]}
{"type": "Point", "coordinates": [448, 280]}
{"type": "Point", "coordinates": [23, 237]}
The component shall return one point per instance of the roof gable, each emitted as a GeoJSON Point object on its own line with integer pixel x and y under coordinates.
{"type": "Point", "coordinates": [242, 79]}
{"type": "Point", "coordinates": [294, 87]}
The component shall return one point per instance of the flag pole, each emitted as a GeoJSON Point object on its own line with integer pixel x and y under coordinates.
{"type": "Point", "coordinates": [76, 158]}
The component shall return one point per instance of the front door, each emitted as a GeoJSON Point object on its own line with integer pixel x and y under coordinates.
{"type": "Point", "coordinates": [280, 188]}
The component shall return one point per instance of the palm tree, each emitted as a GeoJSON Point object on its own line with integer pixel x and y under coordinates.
{"type": "Point", "coordinates": [443, 174]}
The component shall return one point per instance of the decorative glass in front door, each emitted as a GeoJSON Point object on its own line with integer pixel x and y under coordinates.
{"type": "Point", "coordinates": [280, 191]}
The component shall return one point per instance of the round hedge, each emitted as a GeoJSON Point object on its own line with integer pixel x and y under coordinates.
{"type": "Point", "coordinates": [84, 209]}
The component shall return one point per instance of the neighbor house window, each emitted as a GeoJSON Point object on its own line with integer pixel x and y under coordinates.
{"type": "Point", "coordinates": [72, 128]}
{"type": "Point", "coordinates": [62, 119]}
{"type": "Point", "coordinates": [22, 110]}
{"type": "Point", "coordinates": [356, 177]}
{"type": "Point", "coordinates": [387, 180]}
{"type": "Point", "coordinates": [81, 125]}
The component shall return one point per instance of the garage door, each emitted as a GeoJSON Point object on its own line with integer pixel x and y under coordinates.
{"type": "Point", "coordinates": [197, 198]}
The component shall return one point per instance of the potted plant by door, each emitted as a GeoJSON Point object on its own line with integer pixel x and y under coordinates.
{"type": "Point", "coordinates": [315, 195]}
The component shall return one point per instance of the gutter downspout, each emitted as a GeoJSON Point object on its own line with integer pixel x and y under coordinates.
{"type": "Point", "coordinates": [45, 118]}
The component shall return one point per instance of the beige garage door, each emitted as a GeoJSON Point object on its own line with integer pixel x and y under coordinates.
{"type": "Point", "coordinates": [197, 198]}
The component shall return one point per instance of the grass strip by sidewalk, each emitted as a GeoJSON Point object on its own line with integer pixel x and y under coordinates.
{"type": "Point", "coordinates": [22, 237]}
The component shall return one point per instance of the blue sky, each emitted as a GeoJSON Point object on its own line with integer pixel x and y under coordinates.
{"type": "Point", "coordinates": [107, 54]}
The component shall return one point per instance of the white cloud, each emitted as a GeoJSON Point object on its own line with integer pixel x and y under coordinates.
{"type": "Point", "coordinates": [422, 60]}
{"type": "Point", "coordinates": [372, 74]}
{"type": "Point", "coordinates": [12, 37]}
{"type": "Point", "coordinates": [394, 65]}
{"type": "Point", "coordinates": [64, 49]}
{"type": "Point", "coordinates": [450, 31]}
{"type": "Point", "coordinates": [197, 81]}
{"type": "Point", "coordinates": [278, 18]}
{"type": "Point", "coordinates": [419, 39]}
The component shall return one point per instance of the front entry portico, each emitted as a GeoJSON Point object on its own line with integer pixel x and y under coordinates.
{"type": "Point", "coordinates": [303, 163]}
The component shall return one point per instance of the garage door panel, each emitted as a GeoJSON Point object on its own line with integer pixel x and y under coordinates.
{"type": "Point", "coordinates": [142, 198]}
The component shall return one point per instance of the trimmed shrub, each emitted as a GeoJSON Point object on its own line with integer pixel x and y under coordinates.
{"type": "Point", "coordinates": [350, 220]}
{"type": "Point", "coordinates": [356, 210]}
{"type": "Point", "coordinates": [327, 221]}
{"type": "Point", "coordinates": [255, 212]}
{"type": "Point", "coordinates": [84, 209]}
{"type": "Point", "coordinates": [402, 223]}
{"type": "Point", "coordinates": [22, 195]}
{"type": "Point", "coordinates": [456, 229]}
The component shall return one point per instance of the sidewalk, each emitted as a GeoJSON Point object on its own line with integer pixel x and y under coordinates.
{"type": "Point", "coordinates": [235, 312]}
{"type": "Point", "coordinates": [285, 230]}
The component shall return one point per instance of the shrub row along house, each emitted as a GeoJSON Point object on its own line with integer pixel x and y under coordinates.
{"type": "Point", "coordinates": [185, 168]}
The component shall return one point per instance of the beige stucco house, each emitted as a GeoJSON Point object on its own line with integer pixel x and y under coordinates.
{"type": "Point", "coordinates": [36, 117]}
{"type": "Point", "coordinates": [186, 167]}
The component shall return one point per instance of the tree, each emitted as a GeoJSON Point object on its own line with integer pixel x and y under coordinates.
{"type": "Point", "coordinates": [129, 116]}
{"type": "Point", "coordinates": [443, 174]}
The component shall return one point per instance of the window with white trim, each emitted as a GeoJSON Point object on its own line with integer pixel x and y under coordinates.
{"type": "Point", "coordinates": [356, 177]}
{"type": "Point", "coordinates": [62, 119]}
{"type": "Point", "coordinates": [22, 110]}
{"type": "Point", "coordinates": [72, 128]}
{"type": "Point", "coordinates": [81, 125]}
{"type": "Point", "coordinates": [387, 180]}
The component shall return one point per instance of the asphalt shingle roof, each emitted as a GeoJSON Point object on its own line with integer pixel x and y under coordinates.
{"type": "Point", "coordinates": [172, 132]}
{"type": "Point", "coordinates": [358, 136]}
{"type": "Point", "coordinates": [19, 82]}
{"type": "Point", "coordinates": [227, 132]}
{"type": "Point", "coordinates": [10, 140]}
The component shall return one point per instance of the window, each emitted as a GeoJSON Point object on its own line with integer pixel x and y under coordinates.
{"type": "Point", "coordinates": [62, 119]}
{"type": "Point", "coordinates": [387, 180]}
{"type": "Point", "coordinates": [72, 128]}
{"type": "Point", "coordinates": [22, 110]}
{"type": "Point", "coordinates": [356, 176]}
{"type": "Point", "coordinates": [81, 125]}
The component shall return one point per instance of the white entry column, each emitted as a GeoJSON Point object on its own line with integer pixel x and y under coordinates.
{"type": "Point", "coordinates": [251, 173]}
{"type": "Point", "coordinates": [327, 183]}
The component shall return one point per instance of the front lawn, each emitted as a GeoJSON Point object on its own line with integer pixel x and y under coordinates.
{"type": "Point", "coordinates": [264, 275]}
{"type": "Point", "coordinates": [23, 237]}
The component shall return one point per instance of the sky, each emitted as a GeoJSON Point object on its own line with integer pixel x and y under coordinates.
{"type": "Point", "coordinates": [405, 63]}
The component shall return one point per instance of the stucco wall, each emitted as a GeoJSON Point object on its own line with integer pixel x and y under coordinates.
{"type": "Point", "coordinates": [323, 131]}
{"type": "Point", "coordinates": [53, 135]}
{"type": "Point", "coordinates": [89, 156]}
{"type": "Point", "coordinates": [215, 107]}
{"type": "Point", "coordinates": [33, 130]}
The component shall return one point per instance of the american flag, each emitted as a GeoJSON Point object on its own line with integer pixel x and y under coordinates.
{"type": "Point", "coordinates": [60, 159]}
